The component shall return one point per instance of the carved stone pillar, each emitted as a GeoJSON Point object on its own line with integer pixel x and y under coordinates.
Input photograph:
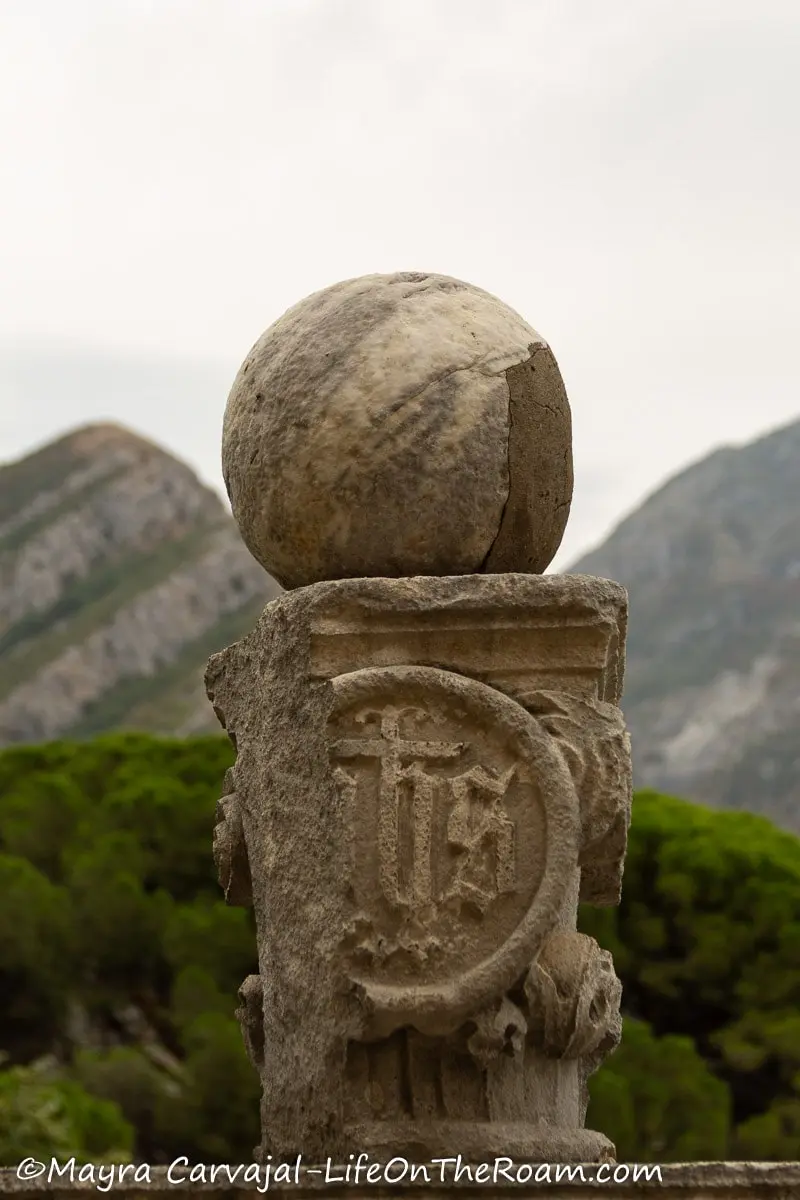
{"type": "Point", "coordinates": [431, 772]}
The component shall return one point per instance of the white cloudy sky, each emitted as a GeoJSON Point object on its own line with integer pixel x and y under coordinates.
{"type": "Point", "coordinates": [625, 173]}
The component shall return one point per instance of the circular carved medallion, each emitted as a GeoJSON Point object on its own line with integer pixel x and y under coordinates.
{"type": "Point", "coordinates": [464, 828]}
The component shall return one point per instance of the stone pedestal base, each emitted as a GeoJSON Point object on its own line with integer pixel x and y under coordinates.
{"type": "Point", "coordinates": [478, 1143]}
{"type": "Point", "coordinates": [430, 774]}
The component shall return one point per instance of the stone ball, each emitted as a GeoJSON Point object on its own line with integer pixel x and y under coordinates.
{"type": "Point", "coordinates": [399, 425]}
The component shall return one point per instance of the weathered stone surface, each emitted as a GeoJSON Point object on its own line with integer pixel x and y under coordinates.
{"type": "Point", "coordinates": [423, 766]}
{"type": "Point", "coordinates": [399, 425]}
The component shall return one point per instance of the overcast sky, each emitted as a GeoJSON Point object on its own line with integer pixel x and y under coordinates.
{"type": "Point", "coordinates": [625, 173]}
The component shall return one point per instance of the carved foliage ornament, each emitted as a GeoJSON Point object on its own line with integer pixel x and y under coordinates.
{"type": "Point", "coordinates": [597, 747]}
{"type": "Point", "coordinates": [573, 998]}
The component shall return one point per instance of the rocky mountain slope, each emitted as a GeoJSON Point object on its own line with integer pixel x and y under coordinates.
{"type": "Point", "coordinates": [712, 565]}
{"type": "Point", "coordinates": [120, 573]}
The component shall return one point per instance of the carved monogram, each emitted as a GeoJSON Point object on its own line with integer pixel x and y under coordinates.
{"type": "Point", "coordinates": [478, 828]}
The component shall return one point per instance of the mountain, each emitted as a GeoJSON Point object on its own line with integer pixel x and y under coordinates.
{"type": "Point", "coordinates": [712, 565]}
{"type": "Point", "coordinates": [120, 573]}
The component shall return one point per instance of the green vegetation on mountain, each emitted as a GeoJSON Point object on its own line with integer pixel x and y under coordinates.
{"type": "Point", "coordinates": [46, 468]}
{"type": "Point", "coordinates": [120, 573]}
{"type": "Point", "coordinates": [120, 963]}
{"type": "Point", "coordinates": [87, 604]}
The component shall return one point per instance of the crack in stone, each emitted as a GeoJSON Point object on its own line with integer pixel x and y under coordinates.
{"type": "Point", "coordinates": [488, 554]}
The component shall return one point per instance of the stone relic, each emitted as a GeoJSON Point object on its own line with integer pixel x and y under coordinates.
{"type": "Point", "coordinates": [432, 768]}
